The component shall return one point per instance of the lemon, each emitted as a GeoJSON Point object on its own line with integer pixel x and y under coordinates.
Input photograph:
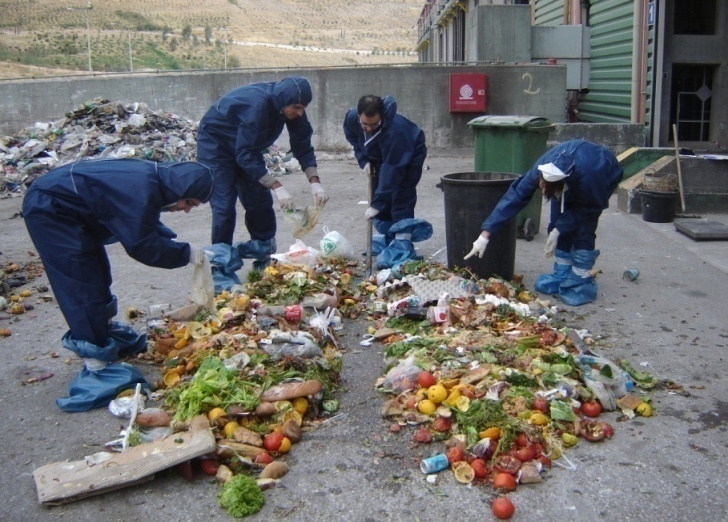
{"type": "Point", "coordinates": [539, 419]}
{"type": "Point", "coordinates": [644, 409]}
{"type": "Point", "coordinates": [285, 445]}
{"type": "Point", "coordinates": [230, 428]}
{"type": "Point", "coordinates": [300, 404]}
{"type": "Point", "coordinates": [569, 439]}
{"type": "Point", "coordinates": [453, 397]}
{"type": "Point", "coordinates": [427, 407]}
{"type": "Point", "coordinates": [462, 404]}
{"type": "Point", "coordinates": [216, 413]}
{"type": "Point", "coordinates": [490, 433]}
{"type": "Point", "coordinates": [437, 393]}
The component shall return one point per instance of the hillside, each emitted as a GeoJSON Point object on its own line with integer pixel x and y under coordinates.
{"type": "Point", "coordinates": [43, 37]}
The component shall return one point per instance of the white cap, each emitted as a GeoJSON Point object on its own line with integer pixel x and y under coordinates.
{"type": "Point", "coordinates": [551, 172]}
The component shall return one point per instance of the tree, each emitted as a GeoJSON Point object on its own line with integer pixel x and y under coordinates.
{"type": "Point", "coordinates": [173, 44]}
{"type": "Point", "coordinates": [208, 34]}
{"type": "Point", "coordinates": [186, 32]}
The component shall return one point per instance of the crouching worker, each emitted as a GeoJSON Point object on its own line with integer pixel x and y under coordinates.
{"type": "Point", "coordinates": [71, 213]}
{"type": "Point", "coordinates": [578, 178]}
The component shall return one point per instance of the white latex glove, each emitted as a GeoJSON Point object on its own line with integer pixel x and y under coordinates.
{"type": "Point", "coordinates": [370, 212]}
{"type": "Point", "coordinates": [550, 247]}
{"type": "Point", "coordinates": [319, 195]}
{"type": "Point", "coordinates": [197, 256]}
{"type": "Point", "coordinates": [367, 170]}
{"type": "Point", "coordinates": [285, 200]}
{"type": "Point", "coordinates": [478, 247]}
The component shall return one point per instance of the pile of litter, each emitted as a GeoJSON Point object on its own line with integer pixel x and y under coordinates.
{"type": "Point", "coordinates": [106, 129]}
{"type": "Point", "coordinates": [479, 369]}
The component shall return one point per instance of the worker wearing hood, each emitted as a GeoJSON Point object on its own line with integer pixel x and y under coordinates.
{"type": "Point", "coordinates": [578, 177]}
{"type": "Point", "coordinates": [392, 150]}
{"type": "Point", "coordinates": [71, 213]}
{"type": "Point", "coordinates": [232, 137]}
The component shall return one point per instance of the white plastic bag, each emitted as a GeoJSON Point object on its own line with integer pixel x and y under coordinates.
{"type": "Point", "coordinates": [298, 253]}
{"type": "Point", "coordinates": [334, 244]}
{"type": "Point", "coordinates": [203, 287]}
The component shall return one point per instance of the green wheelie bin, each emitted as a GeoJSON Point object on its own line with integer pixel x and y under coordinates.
{"type": "Point", "coordinates": [512, 144]}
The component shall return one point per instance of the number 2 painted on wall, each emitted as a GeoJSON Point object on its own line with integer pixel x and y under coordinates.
{"type": "Point", "coordinates": [529, 89]}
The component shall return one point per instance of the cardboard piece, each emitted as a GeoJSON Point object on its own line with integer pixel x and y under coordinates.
{"type": "Point", "coordinates": [64, 482]}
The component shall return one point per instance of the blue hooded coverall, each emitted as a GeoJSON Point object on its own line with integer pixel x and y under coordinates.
{"type": "Point", "coordinates": [396, 152]}
{"type": "Point", "coordinates": [593, 174]}
{"type": "Point", "coordinates": [231, 139]}
{"type": "Point", "coordinates": [71, 213]}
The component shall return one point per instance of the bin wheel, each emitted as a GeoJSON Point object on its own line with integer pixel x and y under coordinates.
{"type": "Point", "coordinates": [529, 229]}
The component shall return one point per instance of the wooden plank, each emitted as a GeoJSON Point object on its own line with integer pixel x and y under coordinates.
{"type": "Point", "coordinates": [64, 482]}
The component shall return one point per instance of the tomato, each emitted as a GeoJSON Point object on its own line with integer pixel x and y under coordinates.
{"type": "Point", "coordinates": [263, 458]}
{"type": "Point", "coordinates": [479, 468]}
{"type": "Point", "coordinates": [608, 430]}
{"type": "Point", "coordinates": [273, 441]}
{"type": "Point", "coordinates": [454, 454]}
{"type": "Point", "coordinates": [208, 467]}
{"type": "Point", "coordinates": [503, 508]}
{"type": "Point", "coordinates": [591, 408]}
{"type": "Point", "coordinates": [504, 481]}
{"type": "Point", "coordinates": [545, 461]}
{"type": "Point", "coordinates": [506, 464]}
{"type": "Point", "coordinates": [525, 454]}
{"type": "Point", "coordinates": [591, 431]}
{"type": "Point", "coordinates": [426, 379]}
{"type": "Point", "coordinates": [540, 404]}
{"type": "Point", "coordinates": [442, 424]}
{"type": "Point", "coordinates": [522, 440]}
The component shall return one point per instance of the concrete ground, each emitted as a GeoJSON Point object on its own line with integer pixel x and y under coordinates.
{"type": "Point", "coordinates": [668, 467]}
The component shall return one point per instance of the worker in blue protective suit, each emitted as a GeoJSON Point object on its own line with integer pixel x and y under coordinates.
{"type": "Point", "coordinates": [391, 149]}
{"type": "Point", "coordinates": [71, 213]}
{"type": "Point", "coordinates": [232, 137]}
{"type": "Point", "coordinates": [578, 177]}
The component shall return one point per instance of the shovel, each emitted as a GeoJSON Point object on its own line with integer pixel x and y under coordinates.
{"type": "Point", "coordinates": [370, 224]}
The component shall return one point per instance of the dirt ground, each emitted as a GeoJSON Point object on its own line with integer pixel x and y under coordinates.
{"type": "Point", "coordinates": [669, 322]}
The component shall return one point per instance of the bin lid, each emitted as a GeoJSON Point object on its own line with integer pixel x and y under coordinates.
{"type": "Point", "coordinates": [536, 123]}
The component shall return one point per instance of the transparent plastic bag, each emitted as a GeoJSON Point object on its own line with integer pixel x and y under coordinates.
{"type": "Point", "coordinates": [402, 377]}
{"type": "Point", "coordinates": [302, 220]}
{"type": "Point", "coordinates": [298, 254]}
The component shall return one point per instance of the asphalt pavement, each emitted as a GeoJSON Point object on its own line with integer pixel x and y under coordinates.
{"type": "Point", "coordinates": [667, 322]}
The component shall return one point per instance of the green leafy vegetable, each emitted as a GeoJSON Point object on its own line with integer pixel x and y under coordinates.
{"type": "Point", "coordinates": [562, 411]}
{"type": "Point", "coordinates": [643, 379]}
{"type": "Point", "coordinates": [241, 496]}
{"type": "Point", "coordinates": [212, 386]}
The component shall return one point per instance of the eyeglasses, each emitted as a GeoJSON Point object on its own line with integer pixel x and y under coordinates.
{"type": "Point", "coordinates": [372, 126]}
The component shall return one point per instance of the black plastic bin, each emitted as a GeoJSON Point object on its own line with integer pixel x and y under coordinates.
{"type": "Point", "coordinates": [469, 198]}
{"type": "Point", "coordinates": [658, 206]}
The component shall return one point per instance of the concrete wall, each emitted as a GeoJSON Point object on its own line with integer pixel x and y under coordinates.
{"type": "Point", "coordinates": [503, 33]}
{"type": "Point", "coordinates": [422, 94]}
{"type": "Point", "coordinates": [616, 137]}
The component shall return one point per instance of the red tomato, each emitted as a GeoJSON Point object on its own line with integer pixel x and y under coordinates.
{"type": "Point", "coordinates": [442, 424]}
{"type": "Point", "coordinates": [479, 468]}
{"type": "Point", "coordinates": [263, 458]}
{"type": "Point", "coordinates": [208, 467]}
{"type": "Point", "coordinates": [541, 404]}
{"type": "Point", "coordinates": [592, 431]}
{"type": "Point", "coordinates": [503, 508]}
{"type": "Point", "coordinates": [525, 454]}
{"type": "Point", "coordinates": [504, 481]}
{"type": "Point", "coordinates": [506, 464]}
{"type": "Point", "coordinates": [591, 408]}
{"type": "Point", "coordinates": [426, 379]}
{"type": "Point", "coordinates": [545, 461]}
{"type": "Point", "coordinates": [522, 440]}
{"type": "Point", "coordinates": [273, 441]}
{"type": "Point", "coordinates": [454, 454]}
{"type": "Point", "coordinates": [608, 430]}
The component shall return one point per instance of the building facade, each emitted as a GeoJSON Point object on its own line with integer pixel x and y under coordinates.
{"type": "Point", "coordinates": [660, 63]}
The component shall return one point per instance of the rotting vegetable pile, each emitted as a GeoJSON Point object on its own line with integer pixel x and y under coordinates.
{"type": "Point", "coordinates": [478, 370]}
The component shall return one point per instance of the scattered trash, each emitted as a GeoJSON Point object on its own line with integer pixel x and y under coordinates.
{"type": "Point", "coordinates": [631, 275]}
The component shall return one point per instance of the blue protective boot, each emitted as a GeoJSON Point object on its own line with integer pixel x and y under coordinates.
{"type": "Point", "coordinates": [128, 341]}
{"type": "Point", "coordinates": [549, 283]}
{"type": "Point", "coordinates": [96, 389]}
{"type": "Point", "coordinates": [580, 287]}
{"type": "Point", "coordinates": [102, 378]}
{"type": "Point", "coordinates": [399, 250]}
{"type": "Point", "coordinates": [257, 249]}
